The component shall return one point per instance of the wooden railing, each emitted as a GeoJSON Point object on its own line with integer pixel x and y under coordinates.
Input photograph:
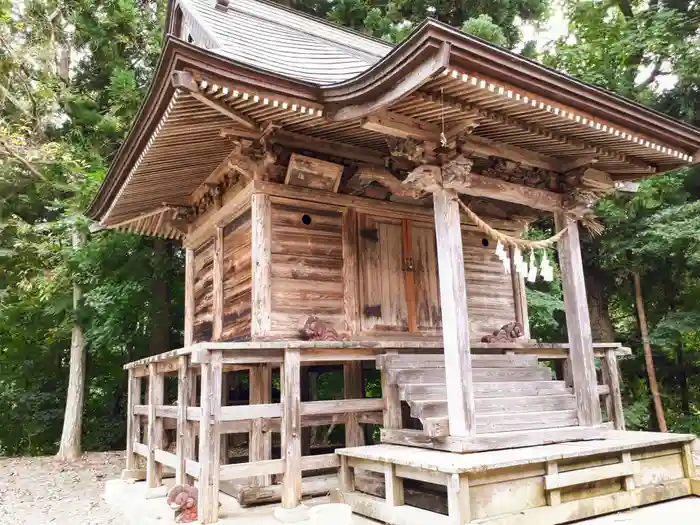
{"type": "Point", "coordinates": [200, 418]}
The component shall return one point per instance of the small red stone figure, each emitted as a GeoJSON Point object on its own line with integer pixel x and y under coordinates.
{"type": "Point", "coordinates": [183, 500]}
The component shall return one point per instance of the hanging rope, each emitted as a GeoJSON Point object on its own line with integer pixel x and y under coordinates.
{"type": "Point", "coordinates": [507, 239]}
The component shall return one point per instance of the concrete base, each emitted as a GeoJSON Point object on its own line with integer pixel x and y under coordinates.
{"type": "Point", "coordinates": [129, 499]}
{"type": "Point", "coordinates": [157, 492]}
{"type": "Point", "coordinates": [295, 515]}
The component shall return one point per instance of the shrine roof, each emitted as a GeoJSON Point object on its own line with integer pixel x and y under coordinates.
{"type": "Point", "coordinates": [255, 69]}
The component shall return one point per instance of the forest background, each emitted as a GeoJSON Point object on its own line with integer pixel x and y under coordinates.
{"type": "Point", "coordinates": [72, 76]}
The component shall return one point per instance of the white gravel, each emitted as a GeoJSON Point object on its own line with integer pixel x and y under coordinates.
{"type": "Point", "coordinates": [39, 490]}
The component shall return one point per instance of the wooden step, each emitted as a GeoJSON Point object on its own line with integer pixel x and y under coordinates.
{"type": "Point", "coordinates": [437, 375]}
{"type": "Point", "coordinates": [439, 426]}
{"type": "Point", "coordinates": [391, 362]}
{"type": "Point", "coordinates": [497, 405]}
{"type": "Point", "coordinates": [438, 391]}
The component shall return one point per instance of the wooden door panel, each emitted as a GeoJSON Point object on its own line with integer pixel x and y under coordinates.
{"type": "Point", "coordinates": [382, 287]}
{"type": "Point", "coordinates": [425, 276]}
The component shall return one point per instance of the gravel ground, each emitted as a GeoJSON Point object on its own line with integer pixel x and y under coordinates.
{"type": "Point", "coordinates": [39, 490]}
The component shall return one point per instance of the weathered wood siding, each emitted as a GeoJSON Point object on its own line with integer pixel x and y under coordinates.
{"type": "Point", "coordinates": [424, 253]}
{"type": "Point", "coordinates": [307, 266]}
{"type": "Point", "coordinates": [490, 298]}
{"type": "Point", "coordinates": [203, 291]}
{"type": "Point", "coordinates": [237, 275]}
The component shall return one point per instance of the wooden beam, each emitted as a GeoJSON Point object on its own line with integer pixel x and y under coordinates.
{"type": "Point", "coordinates": [397, 125]}
{"type": "Point", "coordinates": [578, 323]}
{"type": "Point", "coordinates": [337, 149]}
{"type": "Point", "coordinates": [368, 174]}
{"type": "Point", "coordinates": [184, 80]}
{"type": "Point", "coordinates": [455, 319]}
{"type": "Point", "coordinates": [392, 401]}
{"type": "Point", "coordinates": [189, 296]}
{"type": "Point", "coordinates": [291, 429]}
{"type": "Point", "coordinates": [480, 186]}
{"type": "Point", "coordinates": [218, 284]}
{"type": "Point", "coordinates": [484, 147]}
{"type": "Point", "coordinates": [261, 261]}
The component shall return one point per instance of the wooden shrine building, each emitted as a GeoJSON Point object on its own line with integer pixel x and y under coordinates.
{"type": "Point", "coordinates": [337, 199]}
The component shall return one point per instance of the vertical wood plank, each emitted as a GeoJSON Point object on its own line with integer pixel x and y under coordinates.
{"type": "Point", "coordinates": [354, 389]}
{"type": "Point", "coordinates": [206, 462]}
{"type": "Point", "coordinates": [408, 262]}
{"type": "Point", "coordinates": [260, 438]}
{"type": "Point", "coordinates": [183, 448]}
{"type": "Point", "coordinates": [578, 323]}
{"type": "Point", "coordinates": [553, 496]}
{"type": "Point", "coordinates": [261, 262]}
{"type": "Point", "coordinates": [154, 471]}
{"type": "Point", "coordinates": [216, 371]}
{"type": "Point", "coordinates": [394, 486]}
{"type": "Point", "coordinates": [612, 374]}
{"type": "Point", "coordinates": [455, 319]}
{"type": "Point", "coordinates": [628, 480]}
{"type": "Point", "coordinates": [346, 477]}
{"type": "Point", "coordinates": [189, 296]}
{"type": "Point", "coordinates": [351, 272]}
{"type": "Point", "coordinates": [392, 401]}
{"type": "Point", "coordinates": [688, 462]}
{"type": "Point", "coordinates": [458, 507]}
{"type": "Point", "coordinates": [218, 284]}
{"type": "Point", "coordinates": [133, 422]}
{"type": "Point", "coordinates": [291, 428]}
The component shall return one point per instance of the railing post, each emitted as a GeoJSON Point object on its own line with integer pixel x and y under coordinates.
{"type": "Point", "coordinates": [260, 440]}
{"type": "Point", "coordinates": [209, 442]}
{"type": "Point", "coordinates": [133, 425]}
{"type": "Point", "coordinates": [154, 471]}
{"type": "Point", "coordinates": [291, 428]}
{"type": "Point", "coordinates": [611, 375]}
{"type": "Point", "coordinates": [184, 444]}
{"type": "Point", "coordinates": [353, 389]}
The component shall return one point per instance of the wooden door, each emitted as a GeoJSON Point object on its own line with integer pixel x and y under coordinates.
{"type": "Point", "coordinates": [398, 276]}
{"type": "Point", "coordinates": [382, 283]}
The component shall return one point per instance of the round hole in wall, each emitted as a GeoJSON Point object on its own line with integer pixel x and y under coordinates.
{"type": "Point", "coordinates": [485, 243]}
{"type": "Point", "coordinates": [306, 219]}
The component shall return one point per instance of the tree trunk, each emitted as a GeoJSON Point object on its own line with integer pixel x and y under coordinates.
{"type": "Point", "coordinates": [601, 324]}
{"type": "Point", "coordinates": [649, 359]}
{"type": "Point", "coordinates": [70, 447]}
{"type": "Point", "coordinates": [683, 380]}
{"type": "Point", "coordinates": [159, 340]}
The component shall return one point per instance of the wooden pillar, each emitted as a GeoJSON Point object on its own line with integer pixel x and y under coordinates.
{"type": "Point", "coordinates": [260, 438]}
{"type": "Point", "coordinates": [261, 254]}
{"type": "Point", "coordinates": [455, 319]}
{"type": "Point", "coordinates": [189, 296]}
{"type": "Point", "coordinates": [351, 273]}
{"type": "Point", "coordinates": [291, 428]}
{"type": "Point", "coordinates": [354, 389]}
{"type": "Point", "coordinates": [458, 505]}
{"type": "Point", "coordinates": [154, 471]}
{"type": "Point", "coordinates": [578, 323]}
{"type": "Point", "coordinates": [209, 442]}
{"type": "Point", "coordinates": [133, 422]}
{"type": "Point", "coordinates": [392, 401]}
{"type": "Point", "coordinates": [305, 391]}
{"type": "Point", "coordinates": [393, 486]}
{"type": "Point", "coordinates": [218, 284]}
{"type": "Point", "coordinates": [184, 446]}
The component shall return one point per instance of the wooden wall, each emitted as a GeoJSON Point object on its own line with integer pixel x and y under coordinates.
{"type": "Point", "coordinates": [490, 301]}
{"type": "Point", "coordinates": [237, 276]}
{"type": "Point", "coordinates": [306, 266]}
{"type": "Point", "coordinates": [203, 291]}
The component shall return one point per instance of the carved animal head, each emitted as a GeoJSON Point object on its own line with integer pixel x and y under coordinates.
{"type": "Point", "coordinates": [182, 497]}
{"type": "Point", "coordinates": [310, 327]}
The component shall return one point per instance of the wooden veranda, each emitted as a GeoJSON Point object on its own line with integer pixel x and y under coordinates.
{"type": "Point", "coordinates": [352, 206]}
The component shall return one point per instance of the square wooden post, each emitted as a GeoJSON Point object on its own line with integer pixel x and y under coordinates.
{"type": "Point", "coordinates": [209, 442]}
{"type": "Point", "coordinates": [455, 319]}
{"type": "Point", "coordinates": [260, 438]}
{"type": "Point", "coordinates": [133, 423]}
{"type": "Point", "coordinates": [458, 504]}
{"type": "Point", "coordinates": [184, 444]}
{"type": "Point", "coordinates": [354, 389]}
{"type": "Point", "coordinates": [578, 323]}
{"type": "Point", "coordinates": [614, 399]}
{"type": "Point", "coordinates": [392, 402]}
{"type": "Point", "coordinates": [291, 428]}
{"type": "Point", "coordinates": [261, 243]}
{"type": "Point", "coordinates": [156, 392]}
